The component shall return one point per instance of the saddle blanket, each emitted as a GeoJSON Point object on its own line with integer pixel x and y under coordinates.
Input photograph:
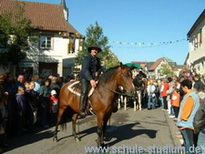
{"type": "Point", "coordinates": [75, 88]}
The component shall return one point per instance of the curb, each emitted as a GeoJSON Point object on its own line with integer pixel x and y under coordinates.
{"type": "Point", "coordinates": [174, 131]}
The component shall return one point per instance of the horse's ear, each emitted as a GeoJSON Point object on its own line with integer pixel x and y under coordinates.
{"type": "Point", "coordinates": [121, 65]}
{"type": "Point", "coordinates": [131, 67]}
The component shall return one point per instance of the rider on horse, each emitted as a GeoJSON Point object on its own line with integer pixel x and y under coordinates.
{"type": "Point", "coordinates": [91, 66]}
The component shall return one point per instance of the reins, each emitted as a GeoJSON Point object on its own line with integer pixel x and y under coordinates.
{"type": "Point", "coordinates": [117, 92]}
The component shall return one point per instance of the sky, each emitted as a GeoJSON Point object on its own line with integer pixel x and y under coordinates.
{"type": "Point", "coordinates": [138, 30]}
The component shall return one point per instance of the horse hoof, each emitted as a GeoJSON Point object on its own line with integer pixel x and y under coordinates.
{"type": "Point", "coordinates": [107, 138]}
{"type": "Point", "coordinates": [102, 145]}
{"type": "Point", "coordinates": [98, 144]}
{"type": "Point", "coordinates": [77, 139]}
{"type": "Point", "coordinates": [55, 139]}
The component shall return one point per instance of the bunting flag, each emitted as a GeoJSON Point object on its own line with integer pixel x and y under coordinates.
{"type": "Point", "coordinates": [144, 44]}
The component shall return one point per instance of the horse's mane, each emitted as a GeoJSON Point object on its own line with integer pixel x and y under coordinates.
{"type": "Point", "coordinates": [107, 75]}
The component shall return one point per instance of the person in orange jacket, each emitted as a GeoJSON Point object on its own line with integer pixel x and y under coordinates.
{"type": "Point", "coordinates": [175, 101]}
{"type": "Point", "coordinates": [187, 111]}
{"type": "Point", "coordinates": [163, 93]}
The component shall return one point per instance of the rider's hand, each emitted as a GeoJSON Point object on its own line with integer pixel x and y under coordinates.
{"type": "Point", "coordinates": [93, 83]}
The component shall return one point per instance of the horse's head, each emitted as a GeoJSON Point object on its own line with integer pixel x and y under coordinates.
{"type": "Point", "coordinates": [142, 74]}
{"type": "Point", "coordinates": [125, 79]}
{"type": "Point", "coordinates": [139, 79]}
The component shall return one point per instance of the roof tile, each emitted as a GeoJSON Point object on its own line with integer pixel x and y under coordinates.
{"type": "Point", "coordinates": [155, 64]}
{"type": "Point", "coordinates": [43, 16]}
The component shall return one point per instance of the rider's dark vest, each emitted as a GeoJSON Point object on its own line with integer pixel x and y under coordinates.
{"type": "Point", "coordinates": [90, 66]}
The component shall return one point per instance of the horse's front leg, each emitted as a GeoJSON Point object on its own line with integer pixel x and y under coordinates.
{"type": "Point", "coordinates": [125, 103]}
{"type": "Point", "coordinates": [139, 100]}
{"type": "Point", "coordinates": [136, 105]}
{"type": "Point", "coordinates": [119, 102]}
{"type": "Point", "coordinates": [100, 139]}
{"type": "Point", "coordinates": [74, 119]}
{"type": "Point", "coordinates": [106, 137]}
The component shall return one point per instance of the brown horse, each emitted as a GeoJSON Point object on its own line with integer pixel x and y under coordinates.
{"type": "Point", "coordinates": [102, 100]}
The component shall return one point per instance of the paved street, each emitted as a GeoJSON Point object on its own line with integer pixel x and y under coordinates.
{"type": "Point", "coordinates": [141, 129]}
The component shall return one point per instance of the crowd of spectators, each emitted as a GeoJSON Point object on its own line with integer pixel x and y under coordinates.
{"type": "Point", "coordinates": [30, 103]}
{"type": "Point", "coordinates": [27, 104]}
{"type": "Point", "coordinates": [183, 98]}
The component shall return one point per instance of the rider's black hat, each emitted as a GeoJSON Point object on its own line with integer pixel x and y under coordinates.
{"type": "Point", "coordinates": [94, 46]}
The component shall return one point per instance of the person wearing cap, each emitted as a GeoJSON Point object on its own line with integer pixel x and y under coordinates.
{"type": "Point", "coordinates": [91, 66]}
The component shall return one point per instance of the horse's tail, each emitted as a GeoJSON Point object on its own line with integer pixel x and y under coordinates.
{"type": "Point", "coordinates": [66, 117]}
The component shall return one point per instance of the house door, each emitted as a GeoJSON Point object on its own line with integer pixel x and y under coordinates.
{"type": "Point", "coordinates": [46, 69]}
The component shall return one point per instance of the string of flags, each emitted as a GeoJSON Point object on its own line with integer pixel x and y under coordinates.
{"type": "Point", "coordinates": [144, 44]}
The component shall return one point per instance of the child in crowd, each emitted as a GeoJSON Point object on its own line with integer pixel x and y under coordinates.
{"type": "Point", "coordinates": [53, 106]}
{"type": "Point", "coordinates": [21, 109]}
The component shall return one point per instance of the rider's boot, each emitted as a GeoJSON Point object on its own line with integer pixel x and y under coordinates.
{"type": "Point", "coordinates": [82, 107]}
{"type": "Point", "coordinates": [84, 97]}
{"type": "Point", "coordinates": [82, 113]}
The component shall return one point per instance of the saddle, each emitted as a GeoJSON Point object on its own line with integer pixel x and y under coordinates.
{"type": "Point", "coordinates": [75, 88]}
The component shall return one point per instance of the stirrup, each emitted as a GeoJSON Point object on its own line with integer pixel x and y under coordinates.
{"type": "Point", "coordinates": [83, 114]}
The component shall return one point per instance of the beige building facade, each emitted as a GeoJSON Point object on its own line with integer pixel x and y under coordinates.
{"type": "Point", "coordinates": [196, 37]}
{"type": "Point", "coordinates": [58, 41]}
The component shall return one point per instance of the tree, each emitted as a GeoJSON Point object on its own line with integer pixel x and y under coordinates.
{"type": "Point", "coordinates": [166, 70]}
{"type": "Point", "coordinates": [15, 30]}
{"type": "Point", "coordinates": [94, 35]}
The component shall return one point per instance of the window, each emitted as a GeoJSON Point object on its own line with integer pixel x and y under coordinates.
{"type": "Point", "coordinates": [200, 37]}
{"type": "Point", "coordinates": [45, 42]}
{"type": "Point", "coordinates": [71, 45]}
{"type": "Point", "coordinates": [195, 42]}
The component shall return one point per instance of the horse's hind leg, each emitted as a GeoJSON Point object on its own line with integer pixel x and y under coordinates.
{"type": "Point", "coordinates": [74, 119]}
{"type": "Point", "coordinates": [60, 113]}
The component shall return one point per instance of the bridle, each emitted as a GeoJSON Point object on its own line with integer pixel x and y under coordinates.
{"type": "Point", "coordinates": [117, 92]}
